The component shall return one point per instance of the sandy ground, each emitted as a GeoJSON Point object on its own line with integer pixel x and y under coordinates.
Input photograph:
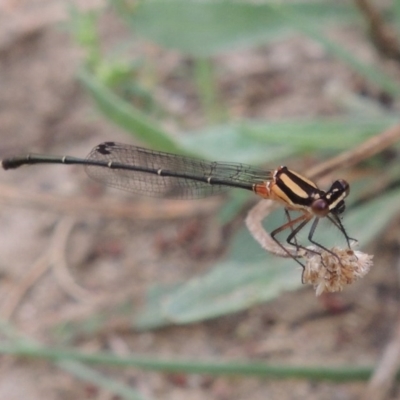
{"type": "Point", "coordinates": [60, 262]}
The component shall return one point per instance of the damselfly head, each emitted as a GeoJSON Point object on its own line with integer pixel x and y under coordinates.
{"type": "Point", "coordinates": [335, 196]}
{"type": "Point", "coordinates": [341, 186]}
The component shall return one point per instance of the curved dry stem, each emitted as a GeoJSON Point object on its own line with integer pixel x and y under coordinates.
{"type": "Point", "coordinates": [18, 291]}
{"type": "Point", "coordinates": [370, 147]}
{"type": "Point", "coordinates": [254, 224]}
{"type": "Point", "coordinates": [57, 257]}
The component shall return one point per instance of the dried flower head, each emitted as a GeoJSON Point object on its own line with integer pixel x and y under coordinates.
{"type": "Point", "coordinates": [331, 271]}
{"type": "Point", "coordinates": [328, 271]}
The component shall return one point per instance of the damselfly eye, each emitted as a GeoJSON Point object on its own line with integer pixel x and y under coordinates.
{"type": "Point", "coordinates": [320, 207]}
{"type": "Point", "coordinates": [339, 190]}
{"type": "Point", "coordinates": [341, 186]}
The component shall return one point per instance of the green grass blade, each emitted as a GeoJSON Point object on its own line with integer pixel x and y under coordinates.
{"type": "Point", "coordinates": [207, 89]}
{"type": "Point", "coordinates": [320, 133]}
{"type": "Point", "coordinates": [19, 343]}
{"type": "Point", "coordinates": [258, 369]}
{"type": "Point", "coordinates": [127, 116]}
{"type": "Point", "coordinates": [87, 374]}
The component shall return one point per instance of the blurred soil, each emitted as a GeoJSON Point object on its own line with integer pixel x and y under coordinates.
{"type": "Point", "coordinates": [61, 262]}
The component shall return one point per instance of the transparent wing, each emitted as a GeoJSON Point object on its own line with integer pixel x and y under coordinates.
{"type": "Point", "coordinates": [149, 183]}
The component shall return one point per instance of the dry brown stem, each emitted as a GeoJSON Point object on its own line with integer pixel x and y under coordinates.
{"type": "Point", "coordinates": [18, 291]}
{"type": "Point", "coordinates": [254, 224]}
{"type": "Point", "coordinates": [54, 256]}
{"type": "Point", "coordinates": [57, 259]}
{"type": "Point", "coordinates": [385, 372]}
{"type": "Point", "coordinates": [370, 147]}
{"type": "Point", "coordinates": [383, 35]}
{"type": "Point", "coordinates": [138, 210]}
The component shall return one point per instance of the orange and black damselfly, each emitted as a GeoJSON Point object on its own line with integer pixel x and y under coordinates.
{"type": "Point", "coordinates": [160, 174]}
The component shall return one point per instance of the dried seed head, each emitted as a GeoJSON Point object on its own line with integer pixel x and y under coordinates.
{"type": "Point", "coordinates": [330, 272]}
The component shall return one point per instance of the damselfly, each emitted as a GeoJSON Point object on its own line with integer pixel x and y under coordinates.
{"type": "Point", "coordinates": [160, 174]}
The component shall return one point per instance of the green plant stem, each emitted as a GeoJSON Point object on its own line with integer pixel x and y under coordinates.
{"type": "Point", "coordinates": [337, 374]}
{"type": "Point", "coordinates": [72, 366]}
{"type": "Point", "coordinates": [90, 375]}
{"type": "Point", "coordinates": [127, 116]}
{"type": "Point", "coordinates": [205, 81]}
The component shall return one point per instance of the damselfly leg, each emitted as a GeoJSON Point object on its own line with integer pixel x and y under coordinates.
{"type": "Point", "coordinates": [296, 226]}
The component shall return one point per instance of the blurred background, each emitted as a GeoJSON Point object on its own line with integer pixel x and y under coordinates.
{"type": "Point", "coordinates": [175, 299]}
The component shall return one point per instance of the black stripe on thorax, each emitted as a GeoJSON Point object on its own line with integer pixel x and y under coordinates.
{"type": "Point", "coordinates": [298, 190]}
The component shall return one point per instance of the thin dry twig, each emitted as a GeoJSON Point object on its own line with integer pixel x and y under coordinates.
{"type": "Point", "coordinates": [384, 376]}
{"type": "Point", "coordinates": [383, 35]}
{"type": "Point", "coordinates": [53, 256]}
{"type": "Point", "coordinates": [18, 291]}
{"type": "Point", "coordinates": [370, 147]}
{"type": "Point", "coordinates": [385, 372]}
{"type": "Point", "coordinates": [59, 263]}
{"type": "Point", "coordinates": [254, 224]}
{"type": "Point", "coordinates": [74, 313]}
{"type": "Point", "coordinates": [138, 210]}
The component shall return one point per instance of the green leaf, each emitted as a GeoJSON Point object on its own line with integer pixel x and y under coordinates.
{"type": "Point", "coordinates": [61, 358]}
{"type": "Point", "coordinates": [232, 367]}
{"type": "Point", "coordinates": [127, 116]}
{"type": "Point", "coordinates": [253, 141]}
{"type": "Point", "coordinates": [204, 28]}
{"type": "Point", "coordinates": [231, 143]}
{"type": "Point", "coordinates": [318, 134]}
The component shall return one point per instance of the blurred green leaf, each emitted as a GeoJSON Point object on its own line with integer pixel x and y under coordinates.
{"type": "Point", "coordinates": [250, 276]}
{"type": "Point", "coordinates": [230, 143]}
{"type": "Point", "coordinates": [127, 116]}
{"type": "Point", "coordinates": [320, 133]}
{"type": "Point", "coordinates": [235, 203]}
{"type": "Point", "coordinates": [268, 142]}
{"type": "Point", "coordinates": [207, 90]}
{"type": "Point", "coordinates": [249, 141]}
{"type": "Point", "coordinates": [203, 28]}
{"type": "Point", "coordinates": [83, 26]}
{"type": "Point", "coordinates": [113, 73]}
